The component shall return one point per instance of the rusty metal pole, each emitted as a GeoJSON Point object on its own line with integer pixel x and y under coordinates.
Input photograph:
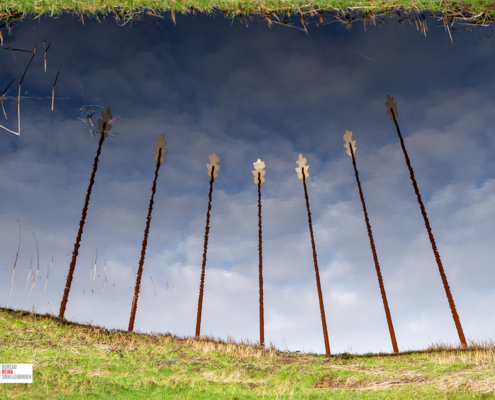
{"type": "Point", "coordinates": [159, 159]}
{"type": "Point", "coordinates": [350, 144]}
{"type": "Point", "coordinates": [302, 175]}
{"type": "Point", "coordinates": [259, 178]}
{"type": "Point", "coordinates": [392, 111]}
{"type": "Point", "coordinates": [105, 126]}
{"type": "Point", "coordinates": [213, 173]}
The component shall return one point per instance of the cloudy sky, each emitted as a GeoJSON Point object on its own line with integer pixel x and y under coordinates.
{"type": "Point", "coordinates": [245, 93]}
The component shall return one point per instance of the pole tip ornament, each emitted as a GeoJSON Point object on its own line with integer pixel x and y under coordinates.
{"type": "Point", "coordinates": [213, 160]}
{"type": "Point", "coordinates": [258, 169]}
{"type": "Point", "coordinates": [302, 164]}
{"type": "Point", "coordinates": [348, 140]}
{"type": "Point", "coordinates": [104, 122]}
{"type": "Point", "coordinates": [391, 105]}
{"type": "Point", "coordinates": [161, 145]}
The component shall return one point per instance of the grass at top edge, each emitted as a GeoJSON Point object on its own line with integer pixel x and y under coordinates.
{"type": "Point", "coordinates": [52, 8]}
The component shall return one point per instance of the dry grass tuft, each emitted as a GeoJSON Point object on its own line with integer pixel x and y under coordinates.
{"type": "Point", "coordinates": [478, 353]}
{"type": "Point", "coordinates": [483, 384]}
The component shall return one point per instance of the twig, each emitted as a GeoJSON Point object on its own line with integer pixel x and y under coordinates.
{"type": "Point", "coordinates": [105, 274]}
{"type": "Point", "coordinates": [94, 274]}
{"type": "Point", "coordinates": [37, 270]}
{"type": "Point", "coordinates": [2, 96]}
{"type": "Point", "coordinates": [45, 52]}
{"type": "Point", "coordinates": [15, 263]}
{"type": "Point", "coordinates": [154, 297]}
{"type": "Point", "coordinates": [17, 133]}
{"type": "Point", "coordinates": [19, 98]}
{"type": "Point", "coordinates": [53, 89]}
{"type": "Point", "coordinates": [23, 51]}
{"type": "Point", "coordinates": [355, 52]}
{"type": "Point", "coordinates": [104, 284]}
{"type": "Point", "coordinates": [29, 273]}
{"type": "Point", "coordinates": [47, 272]}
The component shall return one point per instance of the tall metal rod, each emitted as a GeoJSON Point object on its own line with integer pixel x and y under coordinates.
{"type": "Point", "coordinates": [81, 225]}
{"type": "Point", "coordinates": [320, 296]}
{"type": "Point", "coordinates": [375, 257]}
{"type": "Point", "coordinates": [144, 245]}
{"type": "Point", "coordinates": [207, 231]}
{"type": "Point", "coordinates": [262, 326]}
{"type": "Point", "coordinates": [432, 239]}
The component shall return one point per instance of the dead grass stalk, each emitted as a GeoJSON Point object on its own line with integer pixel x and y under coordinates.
{"type": "Point", "coordinates": [15, 262]}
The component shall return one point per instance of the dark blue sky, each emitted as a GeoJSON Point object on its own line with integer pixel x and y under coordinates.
{"type": "Point", "coordinates": [246, 93]}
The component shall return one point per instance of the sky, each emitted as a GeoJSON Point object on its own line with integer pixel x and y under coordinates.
{"type": "Point", "coordinates": [213, 86]}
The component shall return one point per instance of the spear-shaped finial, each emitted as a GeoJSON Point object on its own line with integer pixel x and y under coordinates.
{"type": "Point", "coordinates": [104, 122]}
{"type": "Point", "coordinates": [392, 106]}
{"type": "Point", "coordinates": [302, 164]}
{"type": "Point", "coordinates": [347, 140]}
{"type": "Point", "coordinates": [259, 173]}
{"type": "Point", "coordinates": [213, 165]}
{"type": "Point", "coordinates": [161, 145]}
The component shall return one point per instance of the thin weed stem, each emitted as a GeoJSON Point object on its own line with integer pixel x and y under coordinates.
{"type": "Point", "coordinates": [37, 270]}
{"type": "Point", "coordinates": [15, 262]}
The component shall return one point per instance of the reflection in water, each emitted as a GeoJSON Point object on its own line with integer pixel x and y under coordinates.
{"type": "Point", "coordinates": [247, 93]}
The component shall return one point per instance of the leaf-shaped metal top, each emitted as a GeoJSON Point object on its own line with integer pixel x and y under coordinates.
{"type": "Point", "coordinates": [302, 164]}
{"type": "Point", "coordinates": [213, 160]}
{"type": "Point", "coordinates": [391, 105]}
{"type": "Point", "coordinates": [347, 140]}
{"type": "Point", "coordinates": [104, 122]}
{"type": "Point", "coordinates": [258, 169]}
{"type": "Point", "coordinates": [161, 145]}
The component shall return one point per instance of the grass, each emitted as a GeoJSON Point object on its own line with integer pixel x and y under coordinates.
{"type": "Point", "coordinates": [77, 361]}
{"type": "Point", "coordinates": [474, 12]}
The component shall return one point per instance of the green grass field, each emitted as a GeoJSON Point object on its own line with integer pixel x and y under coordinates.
{"type": "Point", "coordinates": [75, 361]}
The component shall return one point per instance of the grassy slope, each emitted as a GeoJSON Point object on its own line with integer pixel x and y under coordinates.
{"type": "Point", "coordinates": [74, 361]}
